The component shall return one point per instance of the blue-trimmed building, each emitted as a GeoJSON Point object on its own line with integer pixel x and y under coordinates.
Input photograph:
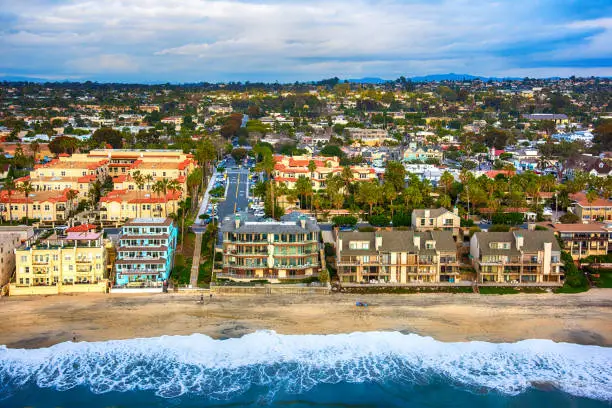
{"type": "Point", "coordinates": [145, 253]}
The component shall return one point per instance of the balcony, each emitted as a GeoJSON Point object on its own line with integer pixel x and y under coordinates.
{"type": "Point", "coordinates": [40, 261]}
{"type": "Point", "coordinates": [84, 260]}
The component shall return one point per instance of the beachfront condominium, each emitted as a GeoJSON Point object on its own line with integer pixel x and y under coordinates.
{"type": "Point", "coordinates": [397, 257]}
{"type": "Point", "coordinates": [436, 219]}
{"type": "Point", "coordinates": [11, 238]}
{"type": "Point", "coordinates": [271, 250]}
{"type": "Point", "coordinates": [72, 263]}
{"type": "Point", "coordinates": [519, 257]}
{"type": "Point", "coordinates": [145, 254]}
{"type": "Point", "coordinates": [288, 169]}
{"type": "Point", "coordinates": [599, 209]}
{"type": "Point", "coordinates": [582, 240]}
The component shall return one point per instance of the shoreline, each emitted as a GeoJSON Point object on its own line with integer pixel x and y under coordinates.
{"type": "Point", "coordinates": [35, 321]}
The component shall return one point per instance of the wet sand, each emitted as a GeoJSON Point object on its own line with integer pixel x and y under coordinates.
{"type": "Point", "coordinates": [32, 322]}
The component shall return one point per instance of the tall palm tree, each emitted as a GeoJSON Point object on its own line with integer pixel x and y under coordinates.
{"type": "Point", "coordinates": [140, 182]}
{"type": "Point", "coordinates": [9, 186]}
{"type": "Point", "coordinates": [26, 188]}
{"type": "Point", "coordinates": [267, 166]}
{"type": "Point", "coordinates": [591, 196]}
{"type": "Point", "coordinates": [347, 178]}
{"type": "Point", "coordinates": [174, 186]}
{"type": "Point", "coordinates": [149, 180]}
{"type": "Point", "coordinates": [70, 196]}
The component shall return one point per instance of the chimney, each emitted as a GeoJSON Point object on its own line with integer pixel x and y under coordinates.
{"type": "Point", "coordinates": [302, 221]}
{"type": "Point", "coordinates": [519, 241]}
{"type": "Point", "coordinates": [426, 214]}
{"type": "Point", "coordinates": [378, 241]}
{"type": "Point", "coordinates": [417, 241]}
{"type": "Point", "coordinates": [456, 211]}
{"type": "Point", "coordinates": [237, 221]}
{"type": "Point", "coordinates": [531, 226]}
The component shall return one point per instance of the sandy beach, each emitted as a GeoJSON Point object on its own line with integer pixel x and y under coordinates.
{"type": "Point", "coordinates": [32, 322]}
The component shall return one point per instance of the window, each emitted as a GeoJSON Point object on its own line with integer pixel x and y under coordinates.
{"type": "Point", "coordinates": [359, 245]}
{"type": "Point", "coordinates": [26, 269]}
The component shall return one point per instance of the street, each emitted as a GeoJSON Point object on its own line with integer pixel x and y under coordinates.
{"type": "Point", "coordinates": [236, 198]}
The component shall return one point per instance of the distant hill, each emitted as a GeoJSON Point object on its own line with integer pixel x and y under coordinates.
{"type": "Point", "coordinates": [447, 77]}
{"type": "Point", "coordinates": [16, 78]}
{"type": "Point", "coordinates": [369, 80]}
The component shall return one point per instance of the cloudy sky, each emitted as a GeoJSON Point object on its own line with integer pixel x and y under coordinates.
{"type": "Point", "coordinates": [223, 40]}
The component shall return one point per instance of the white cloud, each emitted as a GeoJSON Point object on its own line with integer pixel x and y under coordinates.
{"type": "Point", "coordinates": [212, 40]}
{"type": "Point", "coordinates": [104, 63]}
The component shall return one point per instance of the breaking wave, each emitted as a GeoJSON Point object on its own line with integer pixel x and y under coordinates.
{"type": "Point", "coordinates": [171, 366]}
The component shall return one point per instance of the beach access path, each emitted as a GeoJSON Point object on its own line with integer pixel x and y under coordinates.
{"type": "Point", "coordinates": [576, 318]}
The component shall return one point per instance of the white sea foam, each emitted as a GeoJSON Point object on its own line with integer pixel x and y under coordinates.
{"type": "Point", "coordinates": [176, 365]}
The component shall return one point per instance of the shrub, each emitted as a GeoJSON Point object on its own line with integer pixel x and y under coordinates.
{"type": "Point", "coordinates": [344, 220]}
{"type": "Point", "coordinates": [380, 220]}
{"type": "Point", "coordinates": [499, 228]}
{"type": "Point", "coordinates": [569, 218]}
{"type": "Point", "coordinates": [508, 218]}
{"type": "Point", "coordinates": [402, 219]}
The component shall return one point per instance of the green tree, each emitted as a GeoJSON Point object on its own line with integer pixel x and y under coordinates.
{"type": "Point", "coordinates": [9, 186]}
{"type": "Point", "coordinates": [106, 135]}
{"type": "Point", "coordinates": [26, 188]}
{"type": "Point", "coordinates": [395, 174]}
{"type": "Point", "coordinates": [369, 193]}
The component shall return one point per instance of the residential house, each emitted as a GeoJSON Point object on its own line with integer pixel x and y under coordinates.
{"type": "Point", "coordinates": [599, 209]}
{"type": "Point", "coordinates": [145, 253]}
{"type": "Point", "coordinates": [422, 153]}
{"type": "Point", "coordinates": [397, 257]}
{"type": "Point", "coordinates": [271, 250]}
{"type": "Point", "coordinates": [519, 257]}
{"type": "Point", "coordinates": [582, 240]}
{"type": "Point", "coordinates": [436, 219]}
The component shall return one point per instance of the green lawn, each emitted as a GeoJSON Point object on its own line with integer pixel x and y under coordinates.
{"type": "Point", "coordinates": [604, 280]}
{"type": "Point", "coordinates": [570, 289]}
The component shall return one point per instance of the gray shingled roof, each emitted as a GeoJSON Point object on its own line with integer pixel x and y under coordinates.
{"type": "Point", "coordinates": [533, 241]}
{"type": "Point", "coordinates": [398, 241]}
{"type": "Point", "coordinates": [433, 213]}
{"type": "Point", "coordinates": [287, 225]}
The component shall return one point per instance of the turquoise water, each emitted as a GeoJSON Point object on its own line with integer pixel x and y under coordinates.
{"type": "Point", "coordinates": [350, 370]}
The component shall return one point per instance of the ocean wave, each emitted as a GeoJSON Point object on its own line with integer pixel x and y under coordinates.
{"type": "Point", "coordinates": [172, 366]}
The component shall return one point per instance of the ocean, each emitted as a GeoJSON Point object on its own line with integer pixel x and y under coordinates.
{"type": "Point", "coordinates": [369, 369]}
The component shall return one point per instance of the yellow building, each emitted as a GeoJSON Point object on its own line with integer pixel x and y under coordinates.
{"type": "Point", "coordinates": [49, 206]}
{"type": "Point", "coordinates": [289, 168]}
{"type": "Point", "coordinates": [69, 172]}
{"type": "Point", "coordinates": [368, 137]}
{"type": "Point", "coordinates": [76, 263]}
{"type": "Point", "coordinates": [120, 205]}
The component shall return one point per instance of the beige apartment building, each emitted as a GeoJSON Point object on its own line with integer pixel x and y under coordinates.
{"type": "Point", "coordinates": [368, 137]}
{"type": "Point", "coordinates": [118, 206]}
{"type": "Point", "coordinates": [397, 257]}
{"type": "Point", "coordinates": [11, 237]}
{"type": "Point", "coordinates": [597, 210]}
{"type": "Point", "coordinates": [582, 240]}
{"type": "Point", "coordinates": [517, 257]}
{"type": "Point", "coordinates": [76, 263]}
{"type": "Point", "coordinates": [436, 219]}
{"type": "Point", "coordinates": [50, 206]}
{"type": "Point", "coordinates": [289, 168]}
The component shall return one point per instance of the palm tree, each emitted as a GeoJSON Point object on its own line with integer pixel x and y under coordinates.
{"type": "Point", "coordinates": [347, 178]}
{"type": "Point", "coordinates": [34, 148]}
{"type": "Point", "coordinates": [591, 196]}
{"type": "Point", "coordinates": [446, 181]}
{"type": "Point", "coordinates": [267, 166]}
{"type": "Point", "coordinates": [160, 187]}
{"type": "Point", "coordinates": [369, 193]}
{"type": "Point", "coordinates": [139, 180]}
{"type": "Point", "coordinates": [173, 186]}
{"type": "Point", "coordinates": [9, 186]}
{"type": "Point", "coordinates": [70, 196]}
{"type": "Point", "coordinates": [148, 179]}
{"type": "Point", "coordinates": [312, 166]}
{"type": "Point", "coordinates": [390, 194]}
{"type": "Point", "coordinates": [26, 188]}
